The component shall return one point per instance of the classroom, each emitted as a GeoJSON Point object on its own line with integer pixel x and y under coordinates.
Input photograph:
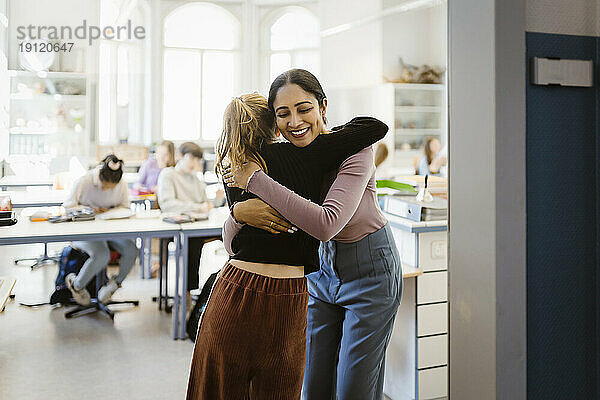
{"type": "Point", "coordinates": [299, 199]}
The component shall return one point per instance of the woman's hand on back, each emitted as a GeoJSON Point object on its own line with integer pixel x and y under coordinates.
{"type": "Point", "coordinates": [259, 214]}
{"type": "Point", "coordinates": [239, 177]}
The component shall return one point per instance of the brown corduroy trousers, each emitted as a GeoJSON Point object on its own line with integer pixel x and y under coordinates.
{"type": "Point", "coordinates": [251, 343]}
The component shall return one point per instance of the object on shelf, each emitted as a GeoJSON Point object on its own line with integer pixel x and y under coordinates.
{"type": "Point", "coordinates": [69, 88]}
{"type": "Point", "coordinates": [423, 74]}
{"type": "Point", "coordinates": [36, 60]}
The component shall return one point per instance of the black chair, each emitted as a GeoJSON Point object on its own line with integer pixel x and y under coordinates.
{"type": "Point", "coordinates": [97, 306]}
{"type": "Point", "coordinates": [41, 260]}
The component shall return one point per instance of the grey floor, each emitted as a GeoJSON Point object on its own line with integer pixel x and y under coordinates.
{"type": "Point", "coordinates": [45, 356]}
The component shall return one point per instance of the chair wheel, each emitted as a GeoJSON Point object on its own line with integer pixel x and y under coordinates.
{"type": "Point", "coordinates": [168, 308]}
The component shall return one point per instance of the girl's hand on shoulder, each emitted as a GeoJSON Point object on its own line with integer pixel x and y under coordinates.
{"type": "Point", "coordinates": [238, 177]}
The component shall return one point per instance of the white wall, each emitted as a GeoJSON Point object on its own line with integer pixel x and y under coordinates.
{"type": "Point", "coordinates": [487, 220]}
{"type": "Point", "coordinates": [418, 36]}
{"type": "Point", "coordinates": [573, 17]}
{"type": "Point", "coordinates": [352, 57]}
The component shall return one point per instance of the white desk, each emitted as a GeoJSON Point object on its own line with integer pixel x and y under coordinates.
{"type": "Point", "coordinates": [17, 181]}
{"type": "Point", "coordinates": [40, 232]}
{"type": "Point", "coordinates": [45, 198]}
{"type": "Point", "coordinates": [52, 198]}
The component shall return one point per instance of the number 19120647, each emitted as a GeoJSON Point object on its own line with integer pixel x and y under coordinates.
{"type": "Point", "coordinates": [43, 47]}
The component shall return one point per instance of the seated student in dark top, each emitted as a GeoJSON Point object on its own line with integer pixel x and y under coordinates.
{"type": "Point", "coordinates": [252, 336]}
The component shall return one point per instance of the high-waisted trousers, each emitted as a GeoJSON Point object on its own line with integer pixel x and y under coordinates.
{"type": "Point", "coordinates": [354, 298]}
{"type": "Point", "coordinates": [251, 340]}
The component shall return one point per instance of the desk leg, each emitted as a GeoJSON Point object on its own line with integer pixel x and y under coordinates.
{"type": "Point", "coordinates": [175, 311]}
{"type": "Point", "coordinates": [184, 249]}
{"type": "Point", "coordinates": [148, 266]}
{"type": "Point", "coordinates": [142, 255]}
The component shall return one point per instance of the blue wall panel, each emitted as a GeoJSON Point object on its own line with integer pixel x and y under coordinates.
{"type": "Point", "coordinates": [562, 131]}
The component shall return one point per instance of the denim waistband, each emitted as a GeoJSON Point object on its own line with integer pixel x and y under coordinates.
{"type": "Point", "coordinates": [344, 259]}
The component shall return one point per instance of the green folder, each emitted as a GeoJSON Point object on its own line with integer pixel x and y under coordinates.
{"type": "Point", "coordinates": [402, 187]}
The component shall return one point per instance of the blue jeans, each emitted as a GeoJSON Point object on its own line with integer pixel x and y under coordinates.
{"type": "Point", "coordinates": [353, 301]}
{"type": "Point", "coordinates": [99, 253]}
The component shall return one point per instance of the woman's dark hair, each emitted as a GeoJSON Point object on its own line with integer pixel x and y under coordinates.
{"type": "Point", "coordinates": [111, 169]}
{"type": "Point", "coordinates": [301, 77]}
{"type": "Point", "coordinates": [190, 148]}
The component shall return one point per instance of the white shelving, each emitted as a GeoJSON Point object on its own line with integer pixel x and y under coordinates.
{"type": "Point", "coordinates": [419, 109]}
{"type": "Point", "coordinates": [49, 113]}
{"type": "Point", "coordinates": [46, 97]}
{"type": "Point", "coordinates": [412, 111]}
{"type": "Point", "coordinates": [47, 74]}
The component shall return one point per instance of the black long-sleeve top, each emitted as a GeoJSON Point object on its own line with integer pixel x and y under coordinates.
{"type": "Point", "coordinates": [300, 169]}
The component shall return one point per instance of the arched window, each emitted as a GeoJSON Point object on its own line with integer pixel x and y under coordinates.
{"type": "Point", "coordinates": [120, 66]}
{"type": "Point", "coordinates": [294, 42]}
{"type": "Point", "coordinates": [201, 44]}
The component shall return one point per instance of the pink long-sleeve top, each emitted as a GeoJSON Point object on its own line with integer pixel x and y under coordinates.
{"type": "Point", "coordinates": [349, 212]}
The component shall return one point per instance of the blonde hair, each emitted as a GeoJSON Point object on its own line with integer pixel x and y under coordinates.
{"type": "Point", "coordinates": [248, 125]}
{"type": "Point", "coordinates": [170, 146]}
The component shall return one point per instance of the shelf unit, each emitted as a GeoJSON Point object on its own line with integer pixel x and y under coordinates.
{"type": "Point", "coordinates": [419, 112]}
{"type": "Point", "coordinates": [412, 111]}
{"type": "Point", "coordinates": [50, 113]}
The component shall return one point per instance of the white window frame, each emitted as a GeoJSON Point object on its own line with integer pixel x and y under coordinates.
{"type": "Point", "coordinates": [266, 51]}
{"type": "Point", "coordinates": [135, 50]}
{"type": "Point", "coordinates": [237, 56]}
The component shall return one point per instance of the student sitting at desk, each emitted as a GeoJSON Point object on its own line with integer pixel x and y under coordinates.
{"type": "Point", "coordinates": [164, 157]}
{"type": "Point", "coordinates": [101, 189]}
{"type": "Point", "coordinates": [180, 190]}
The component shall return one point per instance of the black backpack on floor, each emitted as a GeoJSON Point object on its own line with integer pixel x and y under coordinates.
{"type": "Point", "coordinates": [71, 261]}
{"type": "Point", "coordinates": [192, 323]}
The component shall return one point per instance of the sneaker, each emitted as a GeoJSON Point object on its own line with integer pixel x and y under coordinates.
{"type": "Point", "coordinates": [81, 296]}
{"type": "Point", "coordinates": [106, 292]}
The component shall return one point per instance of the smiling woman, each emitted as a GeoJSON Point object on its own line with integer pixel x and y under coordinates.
{"type": "Point", "coordinates": [254, 326]}
{"type": "Point", "coordinates": [349, 327]}
{"type": "Point", "coordinates": [300, 113]}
